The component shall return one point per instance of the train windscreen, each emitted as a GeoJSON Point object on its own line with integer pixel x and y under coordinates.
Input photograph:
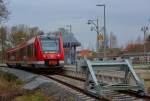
{"type": "Point", "coordinates": [50, 45]}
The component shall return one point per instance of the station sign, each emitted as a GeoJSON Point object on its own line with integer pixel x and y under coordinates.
{"type": "Point", "coordinates": [100, 37]}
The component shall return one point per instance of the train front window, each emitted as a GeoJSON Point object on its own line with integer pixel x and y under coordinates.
{"type": "Point", "coordinates": [50, 45]}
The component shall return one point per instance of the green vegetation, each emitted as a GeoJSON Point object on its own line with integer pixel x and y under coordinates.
{"type": "Point", "coordinates": [9, 82]}
{"type": "Point", "coordinates": [142, 66]}
{"type": "Point", "coordinates": [36, 96]}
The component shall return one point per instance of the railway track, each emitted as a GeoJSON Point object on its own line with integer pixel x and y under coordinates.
{"type": "Point", "coordinates": [108, 95]}
{"type": "Point", "coordinates": [76, 85]}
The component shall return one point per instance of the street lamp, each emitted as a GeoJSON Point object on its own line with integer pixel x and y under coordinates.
{"type": "Point", "coordinates": [96, 28]}
{"type": "Point", "coordinates": [103, 5]}
{"type": "Point", "coordinates": [70, 28]}
{"type": "Point", "coordinates": [144, 29]}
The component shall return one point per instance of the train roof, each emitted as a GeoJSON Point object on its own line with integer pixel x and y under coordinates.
{"type": "Point", "coordinates": [50, 36]}
{"type": "Point", "coordinates": [26, 43]}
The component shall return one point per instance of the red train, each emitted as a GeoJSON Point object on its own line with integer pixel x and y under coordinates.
{"type": "Point", "coordinates": [42, 51]}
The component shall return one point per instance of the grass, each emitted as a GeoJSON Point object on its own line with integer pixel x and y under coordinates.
{"type": "Point", "coordinates": [36, 96]}
{"type": "Point", "coordinates": [9, 82]}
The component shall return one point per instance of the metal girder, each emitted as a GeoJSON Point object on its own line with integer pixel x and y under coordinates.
{"type": "Point", "coordinates": [136, 78]}
{"type": "Point", "coordinates": [93, 85]}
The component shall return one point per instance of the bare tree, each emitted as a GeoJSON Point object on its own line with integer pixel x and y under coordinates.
{"type": "Point", "coordinates": [22, 33]}
{"type": "Point", "coordinates": [33, 31]}
{"type": "Point", "coordinates": [3, 11]}
{"type": "Point", "coordinates": [3, 35]}
{"type": "Point", "coordinates": [19, 34]}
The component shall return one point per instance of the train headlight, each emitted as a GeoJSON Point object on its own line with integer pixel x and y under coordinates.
{"type": "Point", "coordinates": [58, 55]}
{"type": "Point", "coordinates": [44, 56]}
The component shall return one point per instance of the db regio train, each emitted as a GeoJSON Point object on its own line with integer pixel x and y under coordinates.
{"type": "Point", "coordinates": [42, 51]}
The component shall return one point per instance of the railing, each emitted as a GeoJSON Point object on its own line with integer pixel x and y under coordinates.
{"type": "Point", "coordinates": [92, 83]}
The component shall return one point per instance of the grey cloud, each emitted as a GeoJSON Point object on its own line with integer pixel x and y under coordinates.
{"type": "Point", "coordinates": [123, 16]}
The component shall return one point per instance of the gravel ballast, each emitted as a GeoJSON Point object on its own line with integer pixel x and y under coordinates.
{"type": "Point", "coordinates": [50, 88]}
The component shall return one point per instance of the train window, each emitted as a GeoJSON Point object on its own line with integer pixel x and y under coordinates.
{"type": "Point", "coordinates": [30, 50]}
{"type": "Point", "coordinates": [50, 45]}
{"type": "Point", "coordinates": [12, 58]}
{"type": "Point", "coordinates": [22, 52]}
{"type": "Point", "coordinates": [17, 55]}
{"type": "Point", "coordinates": [9, 56]}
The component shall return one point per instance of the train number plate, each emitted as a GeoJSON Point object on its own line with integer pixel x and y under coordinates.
{"type": "Point", "coordinates": [52, 62]}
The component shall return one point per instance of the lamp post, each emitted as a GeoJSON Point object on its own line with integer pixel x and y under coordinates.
{"type": "Point", "coordinates": [103, 5]}
{"type": "Point", "coordinates": [96, 28]}
{"type": "Point", "coordinates": [70, 28]}
{"type": "Point", "coordinates": [70, 31]}
{"type": "Point", "coordinates": [144, 29]}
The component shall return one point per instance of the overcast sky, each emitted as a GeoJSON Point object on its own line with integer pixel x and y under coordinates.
{"type": "Point", "coordinates": [123, 17]}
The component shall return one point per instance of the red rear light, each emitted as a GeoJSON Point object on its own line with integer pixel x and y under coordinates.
{"type": "Point", "coordinates": [44, 56]}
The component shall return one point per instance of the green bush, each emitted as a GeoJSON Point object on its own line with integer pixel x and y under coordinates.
{"type": "Point", "coordinates": [10, 78]}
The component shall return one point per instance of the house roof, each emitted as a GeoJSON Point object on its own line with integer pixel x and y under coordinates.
{"type": "Point", "coordinates": [85, 52]}
{"type": "Point", "coordinates": [70, 40]}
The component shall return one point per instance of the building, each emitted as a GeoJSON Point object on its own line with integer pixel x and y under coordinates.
{"type": "Point", "coordinates": [113, 41]}
{"type": "Point", "coordinates": [85, 52]}
{"type": "Point", "coordinates": [70, 43]}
